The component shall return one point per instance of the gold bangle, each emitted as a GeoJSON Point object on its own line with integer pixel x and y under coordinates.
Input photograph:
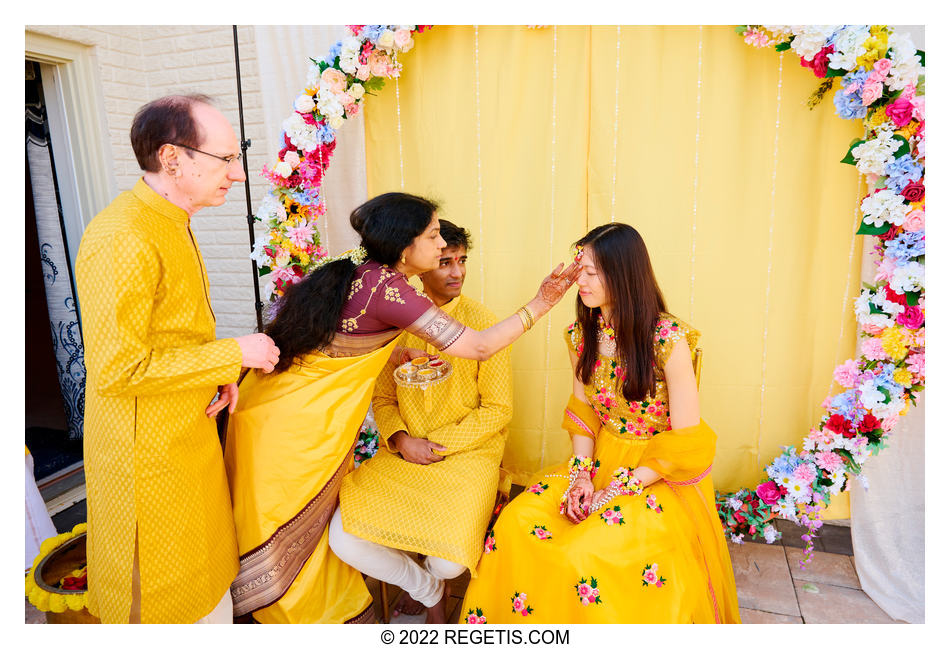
{"type": "Point", "coordinates": [524, 320]}
{"type": "Point", "coordinates": [531, 317]}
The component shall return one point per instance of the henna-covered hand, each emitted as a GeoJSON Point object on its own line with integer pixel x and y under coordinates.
{"type": "Point", "coordinates": [555, 285]}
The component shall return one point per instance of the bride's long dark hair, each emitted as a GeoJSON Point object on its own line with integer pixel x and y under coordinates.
{"type": "Point", "coordinates": [623, 265]}
{"type": "Point", "coordinates": [310, 310]}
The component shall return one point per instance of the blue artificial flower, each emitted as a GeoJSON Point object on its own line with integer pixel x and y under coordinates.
{"type": "Point", "coordinates": [846, 404]}
{"type": "Point", "coordinates": [905, 246]}
{"type": "Point", "coordinates": [858, 76]}
{"type": "Point", "coordinates": [849, 106]}
{"type": "Point", "coordinates": [372, 32]}
{"type": "Point", "coordinates": [325, 133]}
{"type": "Point", "coordinates": [334, 52]}
{"type": "Point", "coordinates": [902, 172]}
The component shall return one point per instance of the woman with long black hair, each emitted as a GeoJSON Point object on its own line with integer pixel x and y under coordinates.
{"type": "Point", "coordinates": [626, 530]}
{"type": "Point", "coordinates": [290, 438]}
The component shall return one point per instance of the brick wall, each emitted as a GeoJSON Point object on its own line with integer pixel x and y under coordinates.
{"type": "Point", "coordinates": [140, 63]}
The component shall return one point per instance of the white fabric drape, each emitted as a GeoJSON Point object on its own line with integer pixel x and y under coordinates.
{"type": "Point", "coordinates": [283, 54]}
{"type": "Point", "coordinates": [887, 520]}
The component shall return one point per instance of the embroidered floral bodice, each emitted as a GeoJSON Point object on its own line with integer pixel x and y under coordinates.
{"type": "Point", "coordinates": [651, 415]}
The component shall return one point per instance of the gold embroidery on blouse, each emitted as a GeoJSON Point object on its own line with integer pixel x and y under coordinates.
{"type": "Point", "coordinates": [392, 295]}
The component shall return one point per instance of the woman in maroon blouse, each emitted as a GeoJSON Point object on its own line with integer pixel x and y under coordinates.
{"type": "Point", "coordinates": [335, 330]}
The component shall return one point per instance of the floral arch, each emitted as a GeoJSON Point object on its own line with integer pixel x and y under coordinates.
{"type": "Point", "coordinates": [882, 84]}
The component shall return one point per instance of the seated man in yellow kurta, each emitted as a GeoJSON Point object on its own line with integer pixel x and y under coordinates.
{"type": "Point", "coordinates": [160, 544]}
{"type": "Point", "coordinates": [431, 486]}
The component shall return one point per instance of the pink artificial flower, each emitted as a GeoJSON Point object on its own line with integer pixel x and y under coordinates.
{"type": "Point", "coordinates": [914, 221]}
{"type": "Point", "coordinates": [472, 619]}
{"type": "Point", "coordinates": [650, 575]}
{"type": "Point", "coordinates": [846, 373]}
{"type": "Point", "coordinates": [300, 235]}
{"type": "Point", "coordinates": [756, 38]}
{"type": "Point", "coordinates": [402, 37]}
{"type": "Point", "coordinates": [888, 423]}
{"type": "Point", "coordinates": [352, 109]}
{"type": "Point", "coordinates": [912, 317]}
{"type": "Point", "coordinates": [583, 590]}
{"type": "Point", "coordinates": [852, 88]}
{"type": "Point", "coordinates": [378, 62]}
{"type": "Point", "coordinates": [334, 80]}
{"type": "Point", "coordinates": [768, 492]}
{"type": "Point", "coordinates": [881, 68]}
{"type": "Point", "coordinates": [872, 349]}
{"type": "Point", "coordinates": [900, 111]}
{"type": "Point", "coordinates": [518, 604]}
{"type": "Point", "coordinates": [363, 72]}
{"type": "Point", "coordinates": [804, 473]}
{"type": "Point", "coordinates": [885, 269]}
{"type": "Point", "coordinates": [585, 601]}
{"type": "Point", "coordinates": [915, 363]}
{"type": "Point", "coordinates": [918, 102]}
{"type": "Point", "coordinates": [871, 92]}
{"type": "Point", "coordinates": [828, 460]}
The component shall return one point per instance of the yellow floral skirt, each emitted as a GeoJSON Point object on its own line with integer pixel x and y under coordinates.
{"type": "Point", "coordinates": [643, 558]}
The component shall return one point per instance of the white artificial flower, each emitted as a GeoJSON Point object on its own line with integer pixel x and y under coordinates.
{"type": "Point", "coordinates": [871, 397]}
{"type": "Point", "coordinates": [737, 538]}
{"type": "Point", "coordinates": [872, 155]}
{"type": "Point", "coordinates": [291, 158]}
{"type": "Point", "coordinates": [356, 91]}
{"type": "Point", "coordinates": [282, 259]}
{"type": "Point", "coordinates": [880, 300]}
{"type": "Point", "coordinates": [811, 39]}
{"type": "Point", "coordinates": [386, 40]}
{"type": "Point", "coordinates": [304, 104]}
{"type": "Point", "coordinates": [328, 103]}
{"type": "Point", "coordinates": [800, 491]}
{"type": "Point", "coordinates": [770, 534]}
{"type": "Point", "coordinates": [335, 122]}
{"type": "Point", "coordinates": [302, 135]}
{"type": "Point", "coordinates": [313, 75]}
{"type": "Point", "coordinates": [863, 479]}
{"type": "Point", "coordinates": [258, 253]}
{"type": "Point", "coordinates": [786, 509]}
{"type": "Point", "coordinates": [908, 278]}
{"type": "Point", "coordinates": [884, 206]}
{"type": "Point", "coordinates": [735, 503]}
{"type": "Point", "coordinates": [271, 211]}
{"type": "Point", "coordinates": [283, 169]}
{"type": "Point", "coordinates": [906, 67]}
{"type": "Point", "coordinates": [849, 46]}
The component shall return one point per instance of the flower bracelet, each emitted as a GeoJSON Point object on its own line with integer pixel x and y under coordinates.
{"type": "Point", "coordinates": [577, 464]}
{"type": "Point", "coordinates": [624, 483]}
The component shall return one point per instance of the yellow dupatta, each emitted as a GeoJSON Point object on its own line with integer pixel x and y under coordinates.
{"type": "Point", "coordinates": [683, 458]}
{"type": "Point", "coordinates": [288, 447]}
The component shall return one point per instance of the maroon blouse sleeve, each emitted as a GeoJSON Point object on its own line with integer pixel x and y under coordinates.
{"type": "Point", "coordinates": [402, 306]}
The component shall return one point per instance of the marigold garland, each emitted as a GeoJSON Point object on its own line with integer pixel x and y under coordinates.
{"type": "Point", "coordinates": [882, 82]}
{"type": "Point", "coordinates": [55, 602]}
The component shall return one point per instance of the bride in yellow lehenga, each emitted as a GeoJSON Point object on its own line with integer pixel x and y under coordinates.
{"type": "Point", "coordinates": [627, 530]}
{"type": "Point", "coordinates": [290, 438]}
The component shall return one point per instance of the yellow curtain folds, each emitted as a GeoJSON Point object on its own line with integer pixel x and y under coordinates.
{"type": "Point", "coordinates": [702, 143]}
{"type": "Point", "coordinates": [289, 444]}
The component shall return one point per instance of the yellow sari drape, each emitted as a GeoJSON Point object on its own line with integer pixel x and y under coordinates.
{"type": "Point", "coordinates": [288, 447]}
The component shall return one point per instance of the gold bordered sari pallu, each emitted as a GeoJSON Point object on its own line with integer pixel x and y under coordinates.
{"type": "Point", "coordinates": [683, 458]}
{"type": "Point", "coordinates": [288, 447]}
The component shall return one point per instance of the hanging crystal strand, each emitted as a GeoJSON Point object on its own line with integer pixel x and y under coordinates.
{"type": "Point", "coordinates": [478, 164]}
{"type": "Point", "coordinates": [768, 272]}
{"type": "Point", "coordinates": [613, 184]}
{"type": "Point", "coordinates": [699, 97]}
{"type": "Point", "coordinates": [402, 177]}
{"type": "Point", "coordinates": [847, 284]}
{"type": "Point", "coordinates": [547, 341]}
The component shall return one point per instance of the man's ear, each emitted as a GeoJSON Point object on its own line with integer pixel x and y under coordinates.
{"type": "Point", "coordinates": [168, 158]}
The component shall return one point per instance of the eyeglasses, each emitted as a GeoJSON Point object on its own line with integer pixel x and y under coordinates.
{"type": "Point", "coordinates": [227, 159]}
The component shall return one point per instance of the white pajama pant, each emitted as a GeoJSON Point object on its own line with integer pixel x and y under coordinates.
{"type": "Point", "coordinates": [424, 583]}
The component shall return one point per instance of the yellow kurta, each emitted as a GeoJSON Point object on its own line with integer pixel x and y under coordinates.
{"type": "Point", "coordinates": [152, 458]}
{"type": "Point", "coordinates": [443, 508]}
{"type": "Point", "coordinates": [653, 558]}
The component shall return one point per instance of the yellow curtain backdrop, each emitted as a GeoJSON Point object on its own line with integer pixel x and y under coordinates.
{"type": "Point", "coordinates": [702, 143]}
